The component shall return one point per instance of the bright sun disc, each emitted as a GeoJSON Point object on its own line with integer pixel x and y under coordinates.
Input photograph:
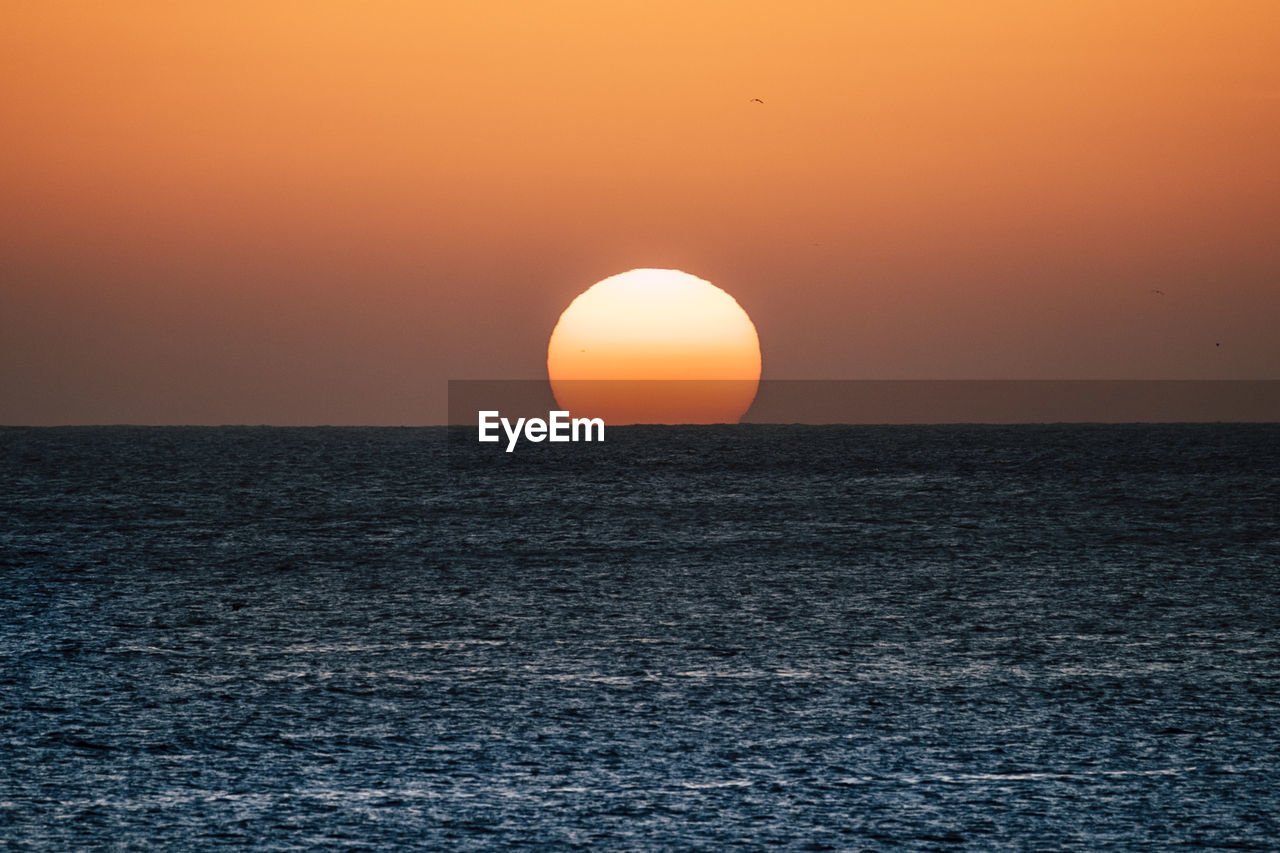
{"type": "Point", "coordinates": [655, 346]}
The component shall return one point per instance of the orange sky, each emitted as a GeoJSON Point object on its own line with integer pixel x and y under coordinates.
{"type": "Point", "coordinates": [318, 212]}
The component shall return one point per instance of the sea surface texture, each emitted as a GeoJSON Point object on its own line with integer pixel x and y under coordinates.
{"type": "Point", "coordinates": [811, 638]}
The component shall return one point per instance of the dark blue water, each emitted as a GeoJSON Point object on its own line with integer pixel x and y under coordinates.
{"type": "Point", "coordinates": [853, 638]}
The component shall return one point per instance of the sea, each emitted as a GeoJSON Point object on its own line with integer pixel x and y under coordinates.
{"type": "Point", "coordinates": [1057, 637]}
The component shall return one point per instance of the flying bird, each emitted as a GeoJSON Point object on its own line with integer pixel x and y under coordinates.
{"type": "Point", "coordinates": [756, 101]}
{"type": "Point", "coordinates": [1161, 292]}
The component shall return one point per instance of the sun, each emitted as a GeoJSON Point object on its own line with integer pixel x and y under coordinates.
{"type": "Point", "coordinates": [655, 346]}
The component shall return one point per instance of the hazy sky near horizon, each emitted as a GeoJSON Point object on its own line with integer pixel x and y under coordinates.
{"type": "Point", "coordinates": [317, 212]}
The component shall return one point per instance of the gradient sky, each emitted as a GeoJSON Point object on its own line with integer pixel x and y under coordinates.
{"type": "Point", "coordinates": [312, 212]}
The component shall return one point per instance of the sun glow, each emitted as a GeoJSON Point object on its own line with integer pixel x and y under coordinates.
{"type": "Point", "coordinates": [655, 346]}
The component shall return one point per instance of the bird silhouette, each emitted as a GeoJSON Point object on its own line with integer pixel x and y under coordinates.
{"type": "Point", "coordinates": [1161, 292]}
{"type": "Point", "coordinates": [756, 101]}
